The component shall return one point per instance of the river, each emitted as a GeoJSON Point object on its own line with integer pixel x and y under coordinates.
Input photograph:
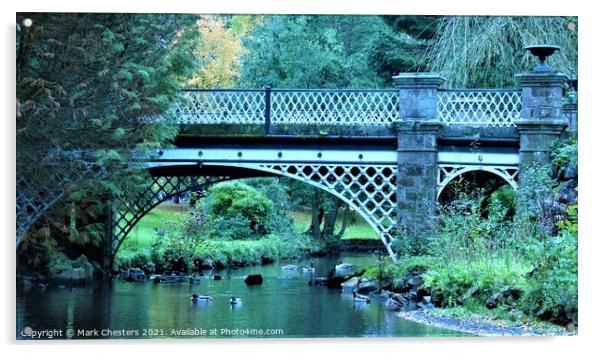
{"type": "Point", "coordinates": [283, 306]}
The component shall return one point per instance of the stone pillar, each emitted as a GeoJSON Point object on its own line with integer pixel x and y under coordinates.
{"type": "Point", "coordinates": [541, 120]}
{"type": "Point", "coordinates": [417, 128]}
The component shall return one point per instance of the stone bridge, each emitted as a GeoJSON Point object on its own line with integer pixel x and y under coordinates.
{"type": "Point", "coordinates": [388, 154]}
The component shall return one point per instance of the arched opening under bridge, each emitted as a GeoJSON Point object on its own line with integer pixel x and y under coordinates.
{"type": "Point", "coordinates": [367, 190]}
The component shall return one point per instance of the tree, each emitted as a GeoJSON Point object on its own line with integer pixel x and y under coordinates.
{"type": "Point", "coordinates": [311, 52]}
{"type": "Point", "coordinates": [219, 53]}
{"type": "Point", "coordinates": [402, 46]}
{"type": "Point", "coordinates": [84, 83]}
{"type": "Point", "coordinates": [478, 51]}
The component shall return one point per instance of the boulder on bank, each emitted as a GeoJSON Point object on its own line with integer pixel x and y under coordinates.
{"type": "Point", "coordinates": [350, 284]}
{"type": "Point", "coordinates": [409, 282]}
{"type": "Point", "coordinates": [135, 274]}
{"type": "Point", "coordinates": [253, 280]}
{"type": "Point", "coordinates": [75, 276]}
{"type": "Point", "coordinates": [437, 298]}
{"type": "Point", "coordinates": [366, 286]}
{"type": "Point", "coordinates": [507, 294]}
{"type": "Point", "coordinates": [207, 264]}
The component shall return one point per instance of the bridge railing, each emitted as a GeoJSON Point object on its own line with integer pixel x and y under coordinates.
{"type": "Point", "coordinates": [334, 107]}
{"type": "Point", "coordinates": [287, 106]}
{"type": "Point", "coordinates": [477, 107]}
{"type": "Point", "coordinates": [221, 106]}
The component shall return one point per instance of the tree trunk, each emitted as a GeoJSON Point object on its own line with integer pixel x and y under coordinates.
{"type": "Point", "coordinates": [330, 218]}
{"type": "Point", "coordinates": [317, 213]}
{"type": "Point", "coordinates": [346, 211]}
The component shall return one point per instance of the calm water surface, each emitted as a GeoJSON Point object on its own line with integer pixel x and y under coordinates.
{"type": "Point", "coordinates": [284, 306]}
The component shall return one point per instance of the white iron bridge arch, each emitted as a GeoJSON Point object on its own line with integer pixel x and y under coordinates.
{"type": "Point", "coordinates": [364, 178]}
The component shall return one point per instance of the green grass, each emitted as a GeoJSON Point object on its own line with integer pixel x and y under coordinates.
{"type": "Point", "coordinates": [171, 217]}
{"type": "Point", "coordinates": [358, 229]}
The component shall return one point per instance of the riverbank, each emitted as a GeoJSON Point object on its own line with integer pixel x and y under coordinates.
{"type": "Point", "coordinates": [483, 297]}
{"type": "Point", "coordinates": [482, 325]}
{"type": "Point", "coordinates": [144, 248]}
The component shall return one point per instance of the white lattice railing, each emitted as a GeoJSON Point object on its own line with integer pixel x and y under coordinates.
{"type": "Point", "coordinates": [479, 107]}
{"type": "Point", "coordinates": [334, 107]}
{"type": "Point", "coordinates": [305, 107]}
{"type": "Point", "coordinates": [340, 107]}
{"type": "Point", "coordinates": [220, 107]}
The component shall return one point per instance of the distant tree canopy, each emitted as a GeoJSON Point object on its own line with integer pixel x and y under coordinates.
{"type": "Point", "coordinates": [83, 83]}
{"type": "Point", "coordinates": [366, 51]}
{"type": "Point", "coordinates": [326, 52]}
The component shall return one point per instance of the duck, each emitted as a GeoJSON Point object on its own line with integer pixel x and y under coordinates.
{"type": "Point", "coordinates": [361, 298]}
{"type": "Point", "coordinates": [196, 298]}
{"type": "Point", "coordinates": [343, 266]}
{"type": "Point", "coordinates": [235, 301]}
{"type": "Point", "coordinates": [309, 268]}
{"type": "Point", "coordinates": [289, 267]}
{"type": "Point", "coordinates": [392, 304]}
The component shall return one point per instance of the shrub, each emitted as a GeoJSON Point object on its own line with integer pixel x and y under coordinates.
{"type": "Point", "coordinates": [487, 276]}
{"type": "Point", "coordinates": [141, 258]}
{"type": "Point", "coordinates": [58, 263]}
{"type": "Point", "coordinates": [552, 285]}
{"type": "Point", "coordinates": [564, 153]}
{"type": "Point", "coordinates": [234, 227]}
{"type": "Point", "coordinates": [235, 199]}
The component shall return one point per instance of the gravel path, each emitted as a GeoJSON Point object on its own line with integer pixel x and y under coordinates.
{"type": "Point", "coordinates": [476, 327]}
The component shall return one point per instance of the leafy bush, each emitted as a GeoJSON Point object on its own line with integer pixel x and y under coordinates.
{"type": "Point", "coordinates": [465, 234]}
{"type": "Point", "coordinates": [236, 199]}
{"type": "Point", "coordinates": [234, 227]}
{"type": "Point", "coordinates": [552, 287]}
{"type": "Point", "coordinates": [141, 258]}
{"type": "Point", "coordinates": [564, 153]}
{"type": "Point", "coordinates": [249, 252]}
{"type": "Point", "coordinates": [487, 276]}
{"type": "Point", "coordinates": [58, 263]}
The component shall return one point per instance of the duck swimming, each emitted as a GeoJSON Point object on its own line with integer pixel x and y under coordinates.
{"type": "Point", "coordinates": [235, 301]}
{"type": "Point", "coordinates": [196, 298]}
{"type": "Point", "coordinates": [308, 269]}
{"type": "Point", "coordinates": [289, 267]}
{"type": "Point", "coordinates": [343, 266]}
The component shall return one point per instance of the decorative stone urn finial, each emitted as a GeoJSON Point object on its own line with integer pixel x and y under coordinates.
{"type": "Point", "coordinates": [542, 52]}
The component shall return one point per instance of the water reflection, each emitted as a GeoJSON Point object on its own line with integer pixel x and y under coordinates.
{"type": "Point", "coordinates": [284, 301]}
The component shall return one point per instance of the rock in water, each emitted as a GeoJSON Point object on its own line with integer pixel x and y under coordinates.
{"type": "Point", "coordinates": [252, 280]}
{"type": "Point", "coordinates": [393, 305]}
{"type": "Point", "coordinates": [217, 277]}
